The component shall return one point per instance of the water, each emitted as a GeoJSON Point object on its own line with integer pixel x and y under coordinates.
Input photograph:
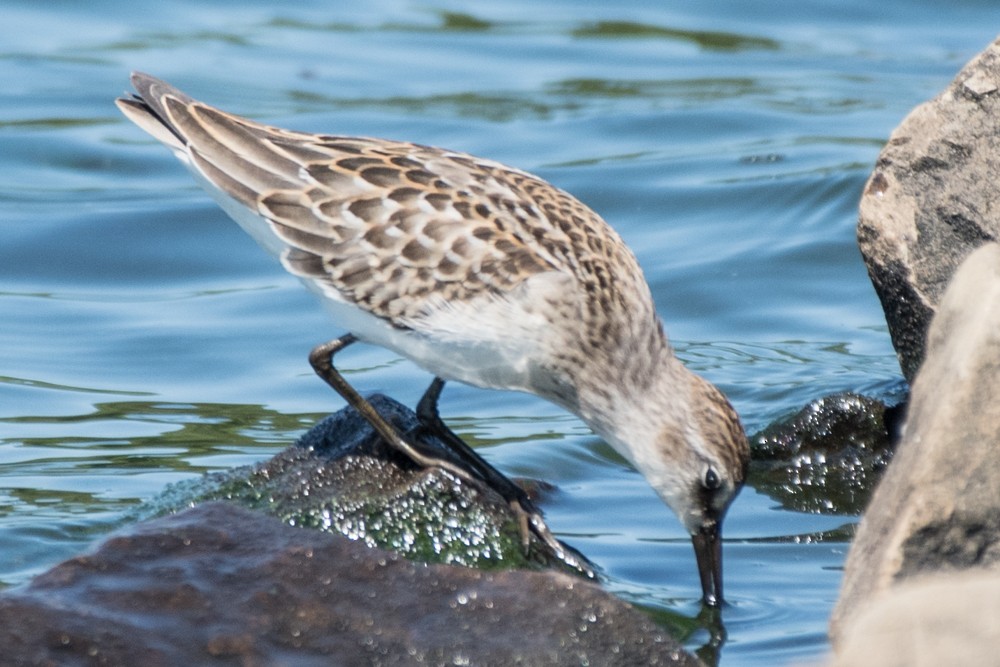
{"type": "Point", "coordinates": [145, 339]}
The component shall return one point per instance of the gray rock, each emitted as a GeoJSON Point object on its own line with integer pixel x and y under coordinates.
{"type": "Point", "coordinates": [931, 200]}
{"type": "Point", "coordinates": [946, 619]}
{"type": "Point", "coordinates": [937, 509]}
{"type": "Point", "coordinates": [222, 585]}
{"type": "Point", "coordinates": [342, 477]}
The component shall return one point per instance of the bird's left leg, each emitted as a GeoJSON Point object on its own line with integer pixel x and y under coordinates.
{"type": "Point", "coordinates": [528, 515]}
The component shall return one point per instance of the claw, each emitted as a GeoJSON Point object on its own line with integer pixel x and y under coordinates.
{"type": "Point", "coordinates": [524, 522]}
{"type": "Point", "coordinates": [566, 554]}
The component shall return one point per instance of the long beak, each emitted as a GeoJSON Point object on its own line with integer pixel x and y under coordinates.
{"type": "Point", "coordinates": [708, 552]}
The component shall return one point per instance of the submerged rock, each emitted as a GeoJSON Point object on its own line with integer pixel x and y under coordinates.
{"type": "Point", "coordinates": [342, 477]}
{"type": "Point", "coordinates": [828, 457]}
{"type": "Point", "coordinates": [937, 509]}
{"type": "Point", "coordinates": [222, 585]}
{"type": "Point", "coordinates": [931, 200]}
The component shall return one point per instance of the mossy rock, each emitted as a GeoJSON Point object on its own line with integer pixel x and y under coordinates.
{"type": "Point", "coordinates": [342, 477]}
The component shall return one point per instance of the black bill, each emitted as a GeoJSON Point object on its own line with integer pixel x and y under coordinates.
{"type": "Point", "coordinates": [708, 551]}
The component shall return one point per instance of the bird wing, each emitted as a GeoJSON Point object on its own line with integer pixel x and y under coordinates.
{"type": "Point", "coordinates": [386, 224]}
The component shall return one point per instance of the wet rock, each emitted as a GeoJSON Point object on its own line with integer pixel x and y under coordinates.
{"type": "Point", "coordinates": [342, 477]}
{"type": "Point", "coordinates": [931, 200]}
{"type": "Point", "coordinates": [222, 585]}
{"type": "Point", "coordinates": [828, 457]}
{"type": "Point", "coordinates": [937, 509]}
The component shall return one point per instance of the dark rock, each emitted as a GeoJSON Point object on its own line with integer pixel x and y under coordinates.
{"type": "Point", "coordinates": [958, 541]}
{"type": "Point", "coordinates": [342, 477]}
{"type": "Point", "coordinates": [221, 585]}
{"type": "Point", "coordinates": [937, 507]}
{"type": "Point", "coordinates": [931, 200]}
{"type": "Point", "coordinates": [828, 457]}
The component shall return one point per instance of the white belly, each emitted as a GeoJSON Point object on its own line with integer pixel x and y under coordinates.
{"type": "Point", "coordinates": [490, 343]}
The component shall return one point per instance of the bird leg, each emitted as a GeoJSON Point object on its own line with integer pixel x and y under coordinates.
{"type": "Point", "coordinates": [427, 411]}
{"type": "Point", "coordinates": [528, 516]}
{"type": "Point", "coordinates": [321, 358]}
{"type": "Point", "coordinates": [479, 471]}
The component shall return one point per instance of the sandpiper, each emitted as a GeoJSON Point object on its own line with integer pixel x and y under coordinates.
{"type": "Point", "coordinates": [479, 273]}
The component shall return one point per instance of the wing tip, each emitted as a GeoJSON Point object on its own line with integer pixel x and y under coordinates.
{"type": "Point", "coordinates": [147, 108]}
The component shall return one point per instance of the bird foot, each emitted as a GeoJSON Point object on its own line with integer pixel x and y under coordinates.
{"type": "Point", "coordinates": [530, 521]}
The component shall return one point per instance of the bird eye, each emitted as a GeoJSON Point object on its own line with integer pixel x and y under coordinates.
{"type": "Point", "coordinates": [712, 480]}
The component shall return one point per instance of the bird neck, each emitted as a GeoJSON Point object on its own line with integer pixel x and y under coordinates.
{"type": "Point", "coordinates": [644, 390]}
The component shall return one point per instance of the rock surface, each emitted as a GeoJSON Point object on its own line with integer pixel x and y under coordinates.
{"type": "Point", "coordinates": [947, 619]}
{"type": "Point", "coordinates": [342, 477]}
{"type": "Point", "coordinates": [937, 509]}
{"type": "Point", "coordinates": [222, 585]}
{"type": "Point", "coordinates": [931, 200]}
{"type": "Point", "coordinates": [828, 457]}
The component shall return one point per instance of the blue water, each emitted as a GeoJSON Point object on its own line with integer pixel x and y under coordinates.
{"type": "Point", "coordinates": [144, 339]}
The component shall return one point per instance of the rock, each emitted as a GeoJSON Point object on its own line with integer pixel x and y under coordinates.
{"type": "Point", "coordinates": [931, 200]}
{"type": "Point", "coordinates": [342, 477]}
{"type": "Point", "coordinates": [828, 457]}
{"type": "Point", "coordinates": [937, 509]}
{"type": "Point", "coordinates": [947, 619]}
{"type": "Point", "coordinates": [218, 584]}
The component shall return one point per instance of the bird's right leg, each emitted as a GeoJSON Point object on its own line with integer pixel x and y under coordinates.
{"type": "Point", "coordinates": [427, 411]}
{"type": "Point", "coordinates": [528, 515]}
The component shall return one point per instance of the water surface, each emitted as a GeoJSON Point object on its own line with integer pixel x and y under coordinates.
{"type": "Point", "coordinates": [145, 339]}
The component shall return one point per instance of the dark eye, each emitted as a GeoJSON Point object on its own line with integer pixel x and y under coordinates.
{"type": "Point", "coordinates": [712, 481]}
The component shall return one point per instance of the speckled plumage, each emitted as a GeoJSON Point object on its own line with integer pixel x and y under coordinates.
{"type": "Point", "coordinates": [477, 271]}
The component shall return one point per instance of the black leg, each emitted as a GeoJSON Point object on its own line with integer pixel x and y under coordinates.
{"type": "Point", "coordinates": [427, 411]}
{"type": "Point", "coordinates": [529, 518]}
{"type": "Point", "coordinates": [482, 473]}
{"type": "Point", "coordinates": [321, 359]}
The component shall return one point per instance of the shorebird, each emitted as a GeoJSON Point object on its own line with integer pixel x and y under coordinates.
{"type": "Point", "coordinates": [479, 273]}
